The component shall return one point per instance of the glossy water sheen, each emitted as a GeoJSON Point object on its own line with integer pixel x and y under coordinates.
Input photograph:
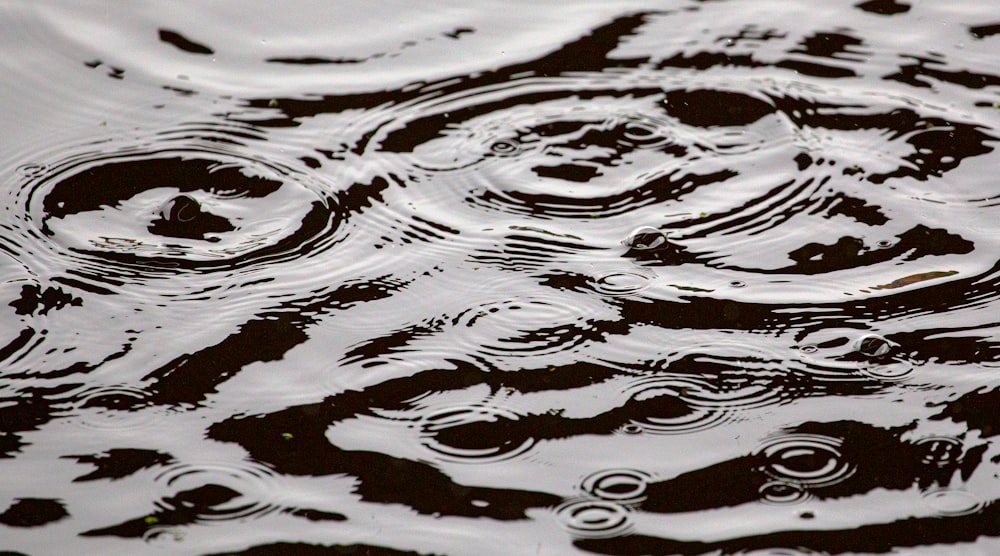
{"type": "Point", "coordinates": [633, 277]}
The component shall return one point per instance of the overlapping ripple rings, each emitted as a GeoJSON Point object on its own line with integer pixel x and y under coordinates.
{"type": "Point", "coordinates": [171, 211]}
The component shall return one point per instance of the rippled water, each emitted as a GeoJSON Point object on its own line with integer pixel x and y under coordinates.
{"type": "Point", "coordinates": [634, 277]}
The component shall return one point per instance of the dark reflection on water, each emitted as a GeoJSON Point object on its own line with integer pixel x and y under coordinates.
{"type": "Point", "coordinates": [642, 278]}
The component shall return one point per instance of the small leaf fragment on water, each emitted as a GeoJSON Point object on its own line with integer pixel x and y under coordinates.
{"type": "Point", "coordinates": [690, 288]}
{"type": "Point", "coordinates": [273, 103]}
{"type": "Point", "coordinates": [852, 170]}
{"type": "Point", "coordinates": [151, 520]}
{"type": "Point", "coordinates": [703, 215]}
{"type": "Point", "coordinates": [287, 435]}
{"type": "Point", "coordinates": [914, 278]}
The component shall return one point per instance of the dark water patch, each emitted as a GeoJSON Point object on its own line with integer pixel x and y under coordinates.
{"type": "Point", "coordinates": [920, 74]}
{"type": "Point", "coordinates": [119, 463]}
{"type": "Point", "coordinates": [277, 549]}
{"type": "Point", "coordinates": [414, 484]}
{"type": "Point", "coordinates": [884, 7]}
{"type": "Point", "coordinates": [35, 301]}
{"type": "Point", "coordinates": [187, 45]}
{"type": "Point", "coordinates": [983, 31]}
{"type": "Point", "coordinates": [33, 512]}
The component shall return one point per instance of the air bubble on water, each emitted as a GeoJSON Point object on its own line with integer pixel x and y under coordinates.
{"type": "Point", "coordinates": [874, 346]}
{"type": "Point", "coordinates": [646, 238]}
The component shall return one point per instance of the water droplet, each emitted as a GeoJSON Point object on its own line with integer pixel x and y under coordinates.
{"type": "Point", "coordinates": [737, 284]}
{"type": "Point", "coordinates": [883, 244]}
{"type": "Point", "coordinates": [646, 238]}
{"type": "Point", "coordinates": [594, 518]}
{"type": "Point", "coordinates": [808, 348]}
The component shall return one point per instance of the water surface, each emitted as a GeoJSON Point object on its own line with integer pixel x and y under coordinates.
{"type": "Point", "coordinates": [634, 277]}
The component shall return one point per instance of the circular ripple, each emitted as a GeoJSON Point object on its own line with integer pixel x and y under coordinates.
{"type": "Point", "coordinates": [163, 536]}
{"type": "Point", "coordinates": [624, 486]}
{"type": "Point", "coordinates": [526, 327]}
{"type": "Point", "coordinates": [645, 133]}
{"type": "Point", "coordinates": [625, 283]}
{"type": "Point", "coordinates": [31, 170]}
{"type": "Point", "coordinates": [474, 434]}
{"type": "Point", "coordinates": [939, 451]}
{"type": "Point", "coordinates": [551, 148]}
{"type": "Point", "coordinates": [177, 209]}
{"type": "Point", "coordinates": [119, 407]}
{"type": "Point", "coordinates": [783, 493]}
{"type": "Point", "coordinates": [594, 519]}
{"type": "Point", "coordinates": [809, 460]}
{"type": "Point", "coordinates": [218, 491]}
{"type": "Point", "coordinates": [666, 408]}
{"type": "Point", "coordinates": [949, 502]}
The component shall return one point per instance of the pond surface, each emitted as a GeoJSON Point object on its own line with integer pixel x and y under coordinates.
{"type": "Point", "coordinates": [498, 278]}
